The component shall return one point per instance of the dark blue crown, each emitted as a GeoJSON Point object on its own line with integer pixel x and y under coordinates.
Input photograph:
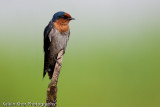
{"type": "Point", "coordinates": [57, 15]}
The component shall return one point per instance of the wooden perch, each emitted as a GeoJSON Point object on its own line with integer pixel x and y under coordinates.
{"type": "Point", "coordinates": [52, 87]}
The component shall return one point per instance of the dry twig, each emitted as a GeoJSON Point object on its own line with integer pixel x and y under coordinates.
{"type": "Point", "coordinates": [52, 87]}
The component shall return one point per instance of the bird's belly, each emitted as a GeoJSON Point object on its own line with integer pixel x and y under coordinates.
{"type": "Point", "coordinates": [58, 43]}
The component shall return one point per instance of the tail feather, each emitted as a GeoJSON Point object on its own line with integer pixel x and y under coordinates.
{"type": "Point", "coordinates": [51, 69]}
{"type": "Point", "coordinates": [48, 67]}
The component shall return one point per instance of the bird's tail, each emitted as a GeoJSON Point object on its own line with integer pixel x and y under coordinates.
{"type": "Point", "coordinates": [45, 65]}
{"type": "Point", "coordinates": [49, 70]}
{"type": "Point", "coordinates": [44, 73]}
{"type": "Point", "coordinates": [49, 66]}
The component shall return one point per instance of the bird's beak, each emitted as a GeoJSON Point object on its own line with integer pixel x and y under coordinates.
{"type": "Point", "coordinates": [71, 18]}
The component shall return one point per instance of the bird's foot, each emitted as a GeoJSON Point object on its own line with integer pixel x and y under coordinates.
{"type": "Point", "coordinates": [64, 51]}
{"type": "Point", "coordinates": [59, 57]}
{"type": "Point", "coordinates": [57, 61]}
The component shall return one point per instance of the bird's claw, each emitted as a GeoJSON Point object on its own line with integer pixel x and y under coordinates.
{"type": "Point", "coordinates": [59, 57]}
{"type": "Point", "coordinates": [57, 61]}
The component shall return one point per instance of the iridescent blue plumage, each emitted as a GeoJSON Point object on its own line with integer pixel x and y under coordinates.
{"type": "Point", "coordinates": [57, 15]}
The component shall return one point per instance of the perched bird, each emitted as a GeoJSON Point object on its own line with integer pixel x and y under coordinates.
{"type": "Point", "coordinates": [56, 35]}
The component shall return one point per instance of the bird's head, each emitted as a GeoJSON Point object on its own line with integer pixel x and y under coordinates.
{"type": "Point", "coordinates": [62, 16]}
{"type": "Point", "coordinates": [61, 21]}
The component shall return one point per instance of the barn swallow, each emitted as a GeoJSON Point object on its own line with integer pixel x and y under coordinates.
{"type": "Point", "coordinates": [56, 35]}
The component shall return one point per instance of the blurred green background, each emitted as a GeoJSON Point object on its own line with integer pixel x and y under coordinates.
{"type": "Point", "coordinates": [112, 58]}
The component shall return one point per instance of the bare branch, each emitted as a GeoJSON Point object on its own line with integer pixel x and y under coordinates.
{"type": "Point", "coordinates": [52, 87]}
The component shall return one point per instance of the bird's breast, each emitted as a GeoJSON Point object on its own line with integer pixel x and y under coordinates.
{"type": "Point", "coordinates": [58, 41]}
